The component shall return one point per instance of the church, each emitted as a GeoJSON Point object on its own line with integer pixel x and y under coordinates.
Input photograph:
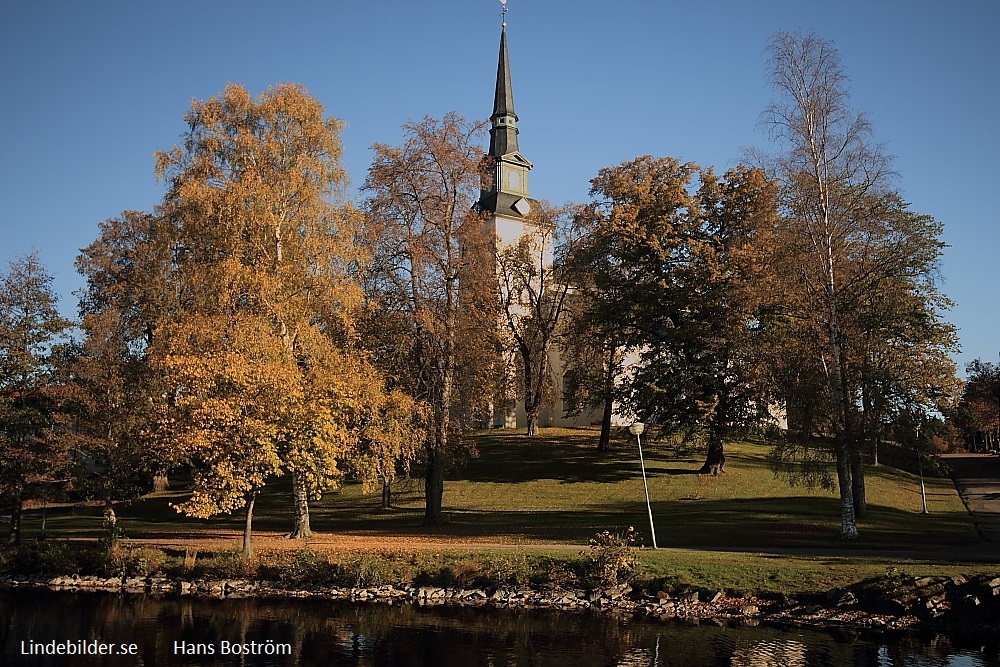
{"type": "Point", "coordinates": [507, 202]}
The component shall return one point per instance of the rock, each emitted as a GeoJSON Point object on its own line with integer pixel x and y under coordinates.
{"type": "Point", "coordinates": [786, 602]}
{"type": "Point", "coordinates": [619, 591]}
{"type": "Point", "coordinates": [847, 600]}
{"type": "Point", "coordinates": [969, 601]}
{"type": "Point", "coordinates": [749, 610]}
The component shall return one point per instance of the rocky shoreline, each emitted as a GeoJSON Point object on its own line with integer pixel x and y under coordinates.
{"type": "Point", "coordinates": [945, 604]}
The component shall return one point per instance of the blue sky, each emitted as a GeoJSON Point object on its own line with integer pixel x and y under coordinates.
{"type": "Point", "coordinates": [91, 90]}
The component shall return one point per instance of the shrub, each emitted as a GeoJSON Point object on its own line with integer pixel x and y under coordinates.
{"type": "Point", "coordinates": [228, 564]}
{"type": "Point", "coordinates": [376, 569]}
{"type": "Point", "coordinates": [507, 568]}
{"type": "Point", "coordinates": [611, 560]}
{"type": "Point", "coordinates": [301, 567]}
{"type": "Point", "coordinates": [43, 557]}
{"type": "Point", "coordinates": [121, 561]}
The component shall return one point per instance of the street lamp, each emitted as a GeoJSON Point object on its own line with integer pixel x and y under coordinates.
{"type": "Point", "coordinates": [920, 467]}
{"type": "Point", "coordinates": [636, 429]}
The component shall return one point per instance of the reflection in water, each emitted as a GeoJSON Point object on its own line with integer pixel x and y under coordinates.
{"type": "Point", "coordinates": [770, 653]}
{"type": "Point", "coordinates": [319, 632]}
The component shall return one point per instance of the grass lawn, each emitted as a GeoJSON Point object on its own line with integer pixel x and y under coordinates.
{"type": "Point", "coordinates": [524, 502]}
{"type": "Point", "coordinates": [556, 489]}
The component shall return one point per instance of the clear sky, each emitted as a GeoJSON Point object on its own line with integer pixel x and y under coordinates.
{"type": "Point", "coordinates": [89, 90]}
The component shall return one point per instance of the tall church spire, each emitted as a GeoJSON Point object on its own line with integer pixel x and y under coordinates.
{"type": "Point", "coordinates": [506, 194]}
{"type": "Point", "coordinates": [503, 132]}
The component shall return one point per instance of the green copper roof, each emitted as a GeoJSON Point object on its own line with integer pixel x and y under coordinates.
{"type": "Point", "coordinates": [503, 133]}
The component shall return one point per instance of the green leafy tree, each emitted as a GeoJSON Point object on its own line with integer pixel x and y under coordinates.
{"type": "Point", "coordinates": [34, 457]}
{"type": "Point", "coordinates": [128, 294]}
{"type": "Point", "coordinates": [680, 269]}
{"type": "Point", "coordinates": [593, 364]}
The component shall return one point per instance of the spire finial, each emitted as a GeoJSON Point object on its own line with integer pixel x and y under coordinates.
{"type": "Point", "coordinates": [503, 14]}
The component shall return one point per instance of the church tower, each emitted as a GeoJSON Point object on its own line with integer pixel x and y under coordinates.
{"type": "Point", "coordinates": [505, 196]}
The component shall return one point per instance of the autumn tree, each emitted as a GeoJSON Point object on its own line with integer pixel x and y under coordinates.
{"type": "Point", "coordinates": [980, 404]}
{"type": "Point", "coordinates": [846, 239]}
{"type": "Point", "coordinates": [33, 455]}
{"type": "Point", "coordinates": [392, 432]}
{"type": "Point", "coordinates": [534, 281]}
{"type": "Point", "coordinates": [678, 257]}
{"type": "Point", "coordinates": [256, 351]}
{"type": "Point", "coordinates": [432, 282]}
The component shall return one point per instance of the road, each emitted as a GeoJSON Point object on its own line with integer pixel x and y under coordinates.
{"type": "Point", "coordinates": [977, 477]}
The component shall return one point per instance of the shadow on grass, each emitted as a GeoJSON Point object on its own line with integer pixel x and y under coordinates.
{"type": "Point", "coordinates": [515, 458]}
{"type": "Point", "coordinates": [757, 522]}
{"type": "Point", "coordinates": [794, 522]}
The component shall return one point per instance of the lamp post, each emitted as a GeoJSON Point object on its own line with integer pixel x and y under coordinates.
{"type": "Point", "coordinates": [636, 429]}
{"type": "Point", "coordinates": [920, 467]}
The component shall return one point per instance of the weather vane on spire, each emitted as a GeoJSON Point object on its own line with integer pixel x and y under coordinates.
{"type": "Point", "coordinates": [503, 14]}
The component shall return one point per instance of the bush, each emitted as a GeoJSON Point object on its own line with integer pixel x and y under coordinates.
{"type": "Point", "coordinates": [120, 561]}
{"type": "Point", "coordinates": [42, 557]}
{"type": "Point", "coordinates": [507, 568]}
{"type": "Point", "coordinates": [229, 564]}
{"type": "Point", "coordinates": [302, 567]}
{"type": "Point", "coordinates": [376, 569]}
{"type": "Point", "coordinates": [612, 559]}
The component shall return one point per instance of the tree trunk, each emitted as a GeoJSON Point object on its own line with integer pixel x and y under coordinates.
{"type": "Point", "coordinates": [300, 492]}
{"type": "Point", "coordinates": [160, 480]}
{"type": "Point", "coordinates": [532, 397]}
{"type": "Point", "coordinates": [848, 527]}
{"type": "Point", "coordinates": [248, 526]}
{"type": "Point", "coordinates": [110, 518]}
{"type": "Point", "coordinates": [604, 443]}
{"type": "Point", "coordinates": [715, 460]}
{"type": "Point", "coordinates": [532, 419]}
{"type": "Point", "coordinates": [841, 434]}
{"type": "Point", "coordinates": [15, 519]}
{"type": "Point", "coordinates": [858, 484]}
{"type": "Point", "coordinates": [386, 494]}
{"type": "Point", "coordinates": [433, 487]}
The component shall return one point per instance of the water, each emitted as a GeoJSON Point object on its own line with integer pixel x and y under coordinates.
{"type": "Point", "coordinates": [314, 632]}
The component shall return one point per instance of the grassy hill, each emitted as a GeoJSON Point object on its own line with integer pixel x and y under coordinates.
{"type": "Point", "coordinates": [555, 488]}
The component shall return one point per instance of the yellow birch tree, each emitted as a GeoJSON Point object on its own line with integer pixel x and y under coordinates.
{"type": "Point", "coordinates": [256, 352]}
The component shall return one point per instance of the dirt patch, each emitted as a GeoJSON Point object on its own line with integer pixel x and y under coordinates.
{"type": "Point", "coordinates": [342, 542]}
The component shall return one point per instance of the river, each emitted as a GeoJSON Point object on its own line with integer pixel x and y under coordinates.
{"type": "Point", "coordinates": [160, 631]}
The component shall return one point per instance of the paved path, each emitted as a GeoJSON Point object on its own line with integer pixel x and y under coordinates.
{"type": "Point", "coordinates": [977, 477]}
